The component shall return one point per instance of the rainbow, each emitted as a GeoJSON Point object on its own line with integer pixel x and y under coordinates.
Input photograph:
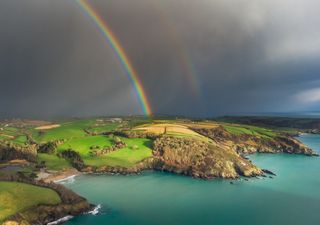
{"type": "Point", "coordinates": [114, 43]}
{"type": "Point", "coordinates": [187, 67]}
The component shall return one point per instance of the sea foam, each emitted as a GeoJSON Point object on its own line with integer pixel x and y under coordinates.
{"type": "Point", "coordinates": [61, 220]}
{"type": "Point", "coordinates": [67, 180]}
{"type": "Point", "coordinates": [95, 211]}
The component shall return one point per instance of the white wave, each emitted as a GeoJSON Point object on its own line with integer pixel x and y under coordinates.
{"type": "Point", "coordinates": [61, 220]}
{"type": "Point", "coordinates": [95, 211]}
{"type": "Point", "coordinates": [67, 180]}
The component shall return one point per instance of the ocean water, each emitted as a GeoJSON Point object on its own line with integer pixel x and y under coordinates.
{"type": "Point", "coordinates": [152, 198]}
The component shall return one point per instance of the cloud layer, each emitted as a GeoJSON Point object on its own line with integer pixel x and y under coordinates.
{"type": "Point", "coordinates": [241, 56]}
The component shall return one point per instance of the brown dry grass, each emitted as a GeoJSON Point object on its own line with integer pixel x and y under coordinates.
{"type": "Point", "coordinates": [48, 127]}
{"type": "Point", "coordinates": [6, 135]}
{"type": "Point", "coordinates": [202, 125]}
{"type": "Point", "coordinates": [166, 128]}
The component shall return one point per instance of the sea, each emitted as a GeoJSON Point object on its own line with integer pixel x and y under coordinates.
{"type": "Point", "coordinates": [292, 197]}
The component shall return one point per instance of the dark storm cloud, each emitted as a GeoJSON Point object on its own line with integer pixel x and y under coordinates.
{"type": "Point", "coordinates": [249, 56]}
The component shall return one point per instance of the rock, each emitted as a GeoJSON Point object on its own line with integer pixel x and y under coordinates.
{"type": "Point", "coordinates": [200, 159]}
{"type": "Point", "coordinates": [10, 151]}
{"type": "Point", "coordinates": [269, 172]}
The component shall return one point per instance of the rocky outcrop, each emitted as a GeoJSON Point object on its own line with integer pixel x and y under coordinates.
{"type": "Point", "coordinates": [133, 134]}
{"type": "Point", "coordinates": [118, 144]}
{"type": "Point", "coordinates": [10, 151]}
{"type": "Point", "coordinates": [74, 158]}
{"type": "Point", "coordinates": [146, 164]}
{"type": "Point", "coordinates": [200, 159]}
{"type": "Point", "coordinates": [247, 144]}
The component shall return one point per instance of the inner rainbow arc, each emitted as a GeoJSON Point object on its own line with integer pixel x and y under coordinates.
{"type": "Point", "coordinates": [119, 51]}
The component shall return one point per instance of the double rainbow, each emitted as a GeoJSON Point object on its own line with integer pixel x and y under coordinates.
{"type": "Point", "coordinates": [114, 43]}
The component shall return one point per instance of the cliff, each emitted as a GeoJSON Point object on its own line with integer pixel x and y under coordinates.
{"type": "Point", "coordinates": [10, 151]}
{"type": "Point", "coordinates": [200, 159]}
{"type": "Point", "coordinates": [247, 144]}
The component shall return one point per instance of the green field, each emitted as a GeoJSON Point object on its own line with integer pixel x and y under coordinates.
{"type": "Point", "coordinates": [238, 129]}
{"type": "Point", "coordinates": [100, 128]}
{"type": "Point", "coordinates": [137, 149]}
{"type": "Point", "coordinates": [75, 138]}
{"type": "Point", "coordinates": [65, 131]}
{"type": "Point", "coordinates": [16, 197]}
{"type": "Point", "coordinates": [21, 140]}
{"type": "Point", "coordinates": [53, 162]}
{"type": "Point", "coordinates": [83, 144]}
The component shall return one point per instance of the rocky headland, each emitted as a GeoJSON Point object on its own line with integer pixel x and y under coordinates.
{"type": "Point", "coordinates": [248, 144]}
{"type": "Point", "coordinates": [71, 204]}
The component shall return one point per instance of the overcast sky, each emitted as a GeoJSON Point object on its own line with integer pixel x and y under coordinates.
{"type": "Point", "coordinates": [194, 58]}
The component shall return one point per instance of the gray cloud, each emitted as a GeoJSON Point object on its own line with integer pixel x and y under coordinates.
{"type": "Point", "coordinates": [249, 56]}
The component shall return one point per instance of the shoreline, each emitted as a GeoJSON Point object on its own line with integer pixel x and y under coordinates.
{"type": "Point", "coordinates": [58, 176]}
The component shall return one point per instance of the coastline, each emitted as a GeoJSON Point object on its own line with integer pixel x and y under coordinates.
{"type": "Point", "coordinates": [57, 176]}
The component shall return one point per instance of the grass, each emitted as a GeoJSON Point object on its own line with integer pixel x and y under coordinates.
{"type": "Point", "coordinates": [10, 131]}
{"type": "Point", "coordinates": [104, 127]}
{"type": "Point", "coordinates": [238, 129]}
{"type": "Point", "coordinates": [67, 130]}
{"type": "Point", "coordinates": [21, 140]}
{"type": "Point", "coordinates": [53, 162]}
{"type": "Point", "coordinates": [16, 197]}
{"type": "Point", "coordinates": [171, 129]}
{"type": "Point", "coordinates": [125, 157]}
{"type": "Point", "coordinates": [137, 149]}
{"type": "Point", "coordinates": [3, 138]}
{"type": "Point", "coordinates": [83, 144]}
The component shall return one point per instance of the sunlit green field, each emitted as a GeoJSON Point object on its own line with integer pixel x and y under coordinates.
{"type": "Point", "coordinates": [250, 130]}
{"type": "Point", "coordinates": [16, 197]}
{"type": "Point", "coordinates": [137, 149]}
{"type": "Point", "coordinates": [67, 130]}
{"type": "Point", "coordinates": [53, 162]}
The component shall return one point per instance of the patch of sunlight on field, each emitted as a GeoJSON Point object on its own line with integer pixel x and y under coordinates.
{"type": "Point", "coordinates": [16, 197]}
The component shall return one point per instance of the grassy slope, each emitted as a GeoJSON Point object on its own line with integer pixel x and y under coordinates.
{"type": "Point", "coordinates": [67, 130]}
{"type": "Point", "coordinates": [239, 129]}
{"type": "Point", "coordinates": [83, 144]}
{"type": "Point", "coordinates": [16, 197]}
{"type": "Point", "coordinates": [53, 162]}
{"type": "Point", "coordinates": [14, 135]}
{"type": "Point", "coordinates": [125, 157]}
{"type": "Point", "coordinates": [78, 140]}
{"type": "Point", "coordinates": [104, 128]}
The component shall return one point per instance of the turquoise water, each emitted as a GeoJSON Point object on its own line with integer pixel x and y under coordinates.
{"type": "Point", "coordinates": [292, 197]}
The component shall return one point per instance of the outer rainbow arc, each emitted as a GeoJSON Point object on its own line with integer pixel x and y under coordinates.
{"type": "Point", "coordinates": [119, 52]}
{"type": "Point", "coordinates": [186, 63]}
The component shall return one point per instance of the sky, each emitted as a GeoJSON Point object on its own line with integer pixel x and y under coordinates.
{"type": "Point", "coordinates": [195, 58]}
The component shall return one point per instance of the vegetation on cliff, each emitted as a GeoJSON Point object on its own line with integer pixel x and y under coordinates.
{"type": "Point", "coordinates": [17, 197]}
{"type": "Point", "coordinates": [27, 201]}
